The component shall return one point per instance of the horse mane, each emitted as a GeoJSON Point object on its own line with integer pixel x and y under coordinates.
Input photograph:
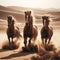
{"type": "Point", "coordinates": [33, 17]}
{"type": "Point", "coordinates": [13, 18]}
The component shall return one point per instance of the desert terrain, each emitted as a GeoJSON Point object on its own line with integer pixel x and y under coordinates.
{"type": "Point", "coordinates": [18, 14]}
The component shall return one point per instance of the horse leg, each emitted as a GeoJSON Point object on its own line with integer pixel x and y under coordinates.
{"type": "Point", "coordinates": [45, 41]}
{"type": "Point", "coordinates": [12, 40]}
{"type": "Point", "coordinates": [30, 41]}
{"type": "Point", "coordinates": [49, 40]}
{"type": "Point", "coordinates": [25, 41]}
{"type": "Point", "coordinates": [9, 43]}
{"type": "Point", "coordinates": [9, 40]}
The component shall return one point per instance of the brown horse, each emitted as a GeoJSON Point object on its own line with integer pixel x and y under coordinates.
{"type": "Point", "coordinates": [29, 31]}
{"type": "Point", "coordinates": [46, 31]}
{"type": "Point", "coordinates": [11, 30]}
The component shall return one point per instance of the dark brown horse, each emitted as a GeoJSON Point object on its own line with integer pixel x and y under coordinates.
{"type": "Point", "coordinates": [11, 30]}
{"type": "Point", "coordinates": [29, 31]}
{"type": "Point", "coordinates": [46, 31]}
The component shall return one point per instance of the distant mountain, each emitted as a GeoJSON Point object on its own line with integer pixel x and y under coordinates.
{"type": "Point", "coordinates": [37, 12]}
{"type": "Point", "coordinates": [18, 13]}
{"type": "Point", "coordinates": [5, 11]}
{"type": "Point", "coordinates": [17, 8]}
{"type": "Point", "coordinates": [25, 8]}
{"type": "Point", "coordinates": [2, 8]}
{"type": "Point", "coordinates": [52, 10]}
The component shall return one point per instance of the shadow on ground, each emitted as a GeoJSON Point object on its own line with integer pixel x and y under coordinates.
{"type": "Point", "coordinates": [50, 53]}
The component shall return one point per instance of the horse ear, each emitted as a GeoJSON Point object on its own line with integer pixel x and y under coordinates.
{"type": "Point", "coordinates": [30, 12]}
{"type": "Point", "coordinates": [25, 12]}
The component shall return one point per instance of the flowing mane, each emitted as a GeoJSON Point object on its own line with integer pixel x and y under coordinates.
{"type": "Point", "coordinates": [33, 17]}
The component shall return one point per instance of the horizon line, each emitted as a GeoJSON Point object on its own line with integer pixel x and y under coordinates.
{"type": "Point", "coordinates": [31, 7]}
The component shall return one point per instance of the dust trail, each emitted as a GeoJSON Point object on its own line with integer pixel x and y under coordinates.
{"type": "Point", "coordinates": [3, 37]}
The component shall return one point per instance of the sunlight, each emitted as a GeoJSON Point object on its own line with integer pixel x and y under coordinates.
{"type": "Point", "coordinates": [32, 3]}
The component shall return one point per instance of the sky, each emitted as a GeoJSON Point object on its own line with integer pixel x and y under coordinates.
{"type": "Point", "coordinates": [32, 3]}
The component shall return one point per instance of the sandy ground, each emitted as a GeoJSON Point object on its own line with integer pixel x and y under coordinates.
{"type": "Point", "coordinates": [11, 55]}
{"type": "Point", "coordinates": [17, 55]}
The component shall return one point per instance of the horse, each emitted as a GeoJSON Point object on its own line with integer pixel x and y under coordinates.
{"type": "Point", "coordinates": [12, 31]}
{"type": "Point", "coordinates": [46, 31]}
{"type": "Point", "coordinates": [29, 30]}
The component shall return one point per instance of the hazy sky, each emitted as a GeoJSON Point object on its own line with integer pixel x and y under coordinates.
{"type": "Point", "coordinates": [32, 3]}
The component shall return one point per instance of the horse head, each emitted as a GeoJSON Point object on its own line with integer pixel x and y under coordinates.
{"type": "Point", "coordinates": [45, 21]}
{"type": "Point", "coordinates": [9, 20]}
{"type": "Point", "coordinates": [27, 17]}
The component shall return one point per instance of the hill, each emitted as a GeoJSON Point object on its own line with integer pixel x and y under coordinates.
{"type": "Point", "coordinates": [18, 13]}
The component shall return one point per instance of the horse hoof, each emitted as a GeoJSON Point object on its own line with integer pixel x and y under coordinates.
{"type": "Point", "coordinates": [25, 49]}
